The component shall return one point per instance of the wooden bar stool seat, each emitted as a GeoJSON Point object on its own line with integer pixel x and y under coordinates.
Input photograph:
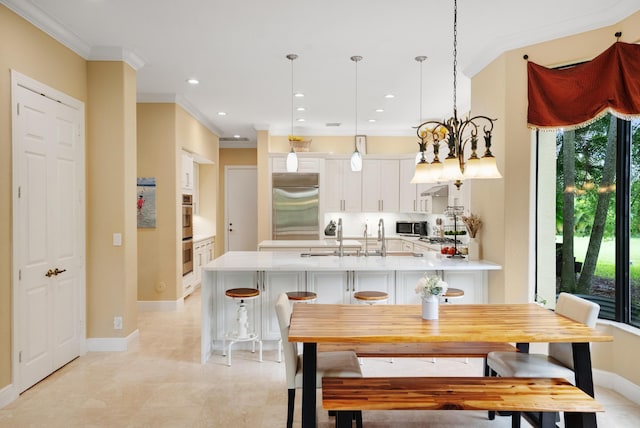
{"type": "Point", "coordinates": [452, 293]}
{"type": "Point", "coordinates": [371, 297]}
{"type": "Point", "coordinates": [243, 333]}
{"type": "Point", "coordinates": [302, 296]}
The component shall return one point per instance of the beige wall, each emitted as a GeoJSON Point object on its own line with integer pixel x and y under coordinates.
{"type": "Point", "coordinates": [159, 267]}
{"type": "Point", "coordinates": [111, 193]}
{"type": "Point", "coordinates": [35, 54]}
{"type": "Point", "coordinates": [229, 157]}
{"type": "Point", "coordinates": [500, 90]}
{"type": "Point", "coordinates": [163, 131]}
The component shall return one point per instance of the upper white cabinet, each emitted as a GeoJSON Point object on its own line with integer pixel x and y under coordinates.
{"type": "Point", "coordinates": [407, 191]}
{"type": "Point", "coordinates": [305, 164]}
{"type": "Point", "coordinates": [342, 187]}
{"type": "Point", "coordinates": [380, 181]}
{"type": "Point", "coordinates": [187, 173]}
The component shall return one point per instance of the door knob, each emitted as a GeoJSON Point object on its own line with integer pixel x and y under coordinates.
{"type": "Point", "coordinates": [57, 271]}
{"type": "Point", "coordinates": [49, 273]}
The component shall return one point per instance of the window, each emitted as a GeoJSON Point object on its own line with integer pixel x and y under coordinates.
{"type": "Point", "coordinates": [596, 228]}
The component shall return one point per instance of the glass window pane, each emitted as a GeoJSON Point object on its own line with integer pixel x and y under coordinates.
{"type": "Point", "coordinates": [585, 213]}
{"type": "Point", "coordinates": [634, 223]}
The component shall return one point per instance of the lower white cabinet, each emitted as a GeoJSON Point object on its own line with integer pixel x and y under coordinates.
{"type": "Point", "coordinates": [202, 254]}
{"type": "Point", "coordinates": [384, 281]}
{"type": "Point", "coordinates": [331, 287]}
{"type": "Point", "coordinates": [272, 285]}
{"type": "Point", "coordinates": [406, 287]}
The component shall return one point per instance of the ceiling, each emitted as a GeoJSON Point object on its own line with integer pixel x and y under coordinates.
{"type": "Point", "coordinates": [237, 50]}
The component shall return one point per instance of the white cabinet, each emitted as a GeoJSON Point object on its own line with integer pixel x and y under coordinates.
{"type": "Point", "coordinates": [342, 190]}
{"type": "Point", "coordinates": [407, 246]}
{"type": "Point", "coordinates": [187, 178]}
{"type": "Point", "coordinates": [272, 285]}
{"type": "Point", "coordinates": [406, 287]}
{"type": "Point", "coordinates": [305, 164]}
{"type": "Point", "coordinates": [473, 283]}
{"type": "Point", "coordinates": [202, 254]}
{"type": "Point", "coordinates": [394, 244]}
{"type": "Point", "coordinates": [407, 191]}
{"type": "Point", "coordinates": [331, 287]}
{"type": "Point", "coordinates": [374, 281]}
{"type": "Point", "coordinates": [380, 181]}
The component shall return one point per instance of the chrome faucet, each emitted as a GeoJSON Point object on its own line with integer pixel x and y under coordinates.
{"type": "Point", "coordinates": [366, 251]}
{"type": "Point", "coordinates": [383, 245]}
{"type": "Point", "coordinates": [339, 237]}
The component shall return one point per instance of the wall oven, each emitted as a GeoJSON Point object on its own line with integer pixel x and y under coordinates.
{"type": "Point", "coordinates": [187, 234]}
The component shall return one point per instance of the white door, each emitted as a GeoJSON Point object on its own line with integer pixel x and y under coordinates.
{"type": "Point", "coordinates": [48, 228]}
{"type": "Point", "coordinates": [241, 213]}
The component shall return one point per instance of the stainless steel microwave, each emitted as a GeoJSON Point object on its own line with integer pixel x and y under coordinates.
{"type": "Point", "coordinates": [407, 228]}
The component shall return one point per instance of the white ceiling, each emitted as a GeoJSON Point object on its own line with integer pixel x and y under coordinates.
{"type": "Point", "coordinates": [237, 49]}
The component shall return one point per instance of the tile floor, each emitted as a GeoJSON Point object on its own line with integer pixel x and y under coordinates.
{"type": "Point", "coordinates": [160, 382]}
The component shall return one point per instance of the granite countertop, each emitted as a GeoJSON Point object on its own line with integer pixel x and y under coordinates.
{"type": "Point", "coordinates": [293, 261]}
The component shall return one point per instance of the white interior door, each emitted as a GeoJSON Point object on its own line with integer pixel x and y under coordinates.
{"type": "Point", "coordinates": [241, 213]}
{"type": "Point", "coordinates": [48, 227]}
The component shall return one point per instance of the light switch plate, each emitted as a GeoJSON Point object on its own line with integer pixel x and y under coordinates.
{"type": "Point", "coordinates": [117, 239]}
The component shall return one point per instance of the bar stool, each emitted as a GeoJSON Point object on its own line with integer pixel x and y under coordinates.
{"type": "Point", "coordinates": [371, 297]}
{"type": "Point", "coordinates": [452, 294]}
{"type": "Point", "coordinates": [241, 295]}
{"type": "Point", "coordinates": [297, 297]}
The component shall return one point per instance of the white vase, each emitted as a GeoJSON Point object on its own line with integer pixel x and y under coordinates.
{"type": "Point", "coordinates": [473, 249]}
{"type": "Point", "coordinates": [430, 308]}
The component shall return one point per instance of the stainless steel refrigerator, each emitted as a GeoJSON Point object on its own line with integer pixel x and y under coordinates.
{"type": "Point", "coordinates": [295, 201]}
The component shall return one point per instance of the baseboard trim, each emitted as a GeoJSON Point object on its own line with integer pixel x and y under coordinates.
{"type": "Point", "coordinates": [160, 305]}
{"type": "Point", "coordinates": [112, 344]}
{"type": "Point", "coordinates": [618, 384]}
{"type": "Point", "coordinates": [8, 394]}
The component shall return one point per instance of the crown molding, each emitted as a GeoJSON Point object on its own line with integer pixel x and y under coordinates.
{"type": "Point", "coordinates": [116, 53]}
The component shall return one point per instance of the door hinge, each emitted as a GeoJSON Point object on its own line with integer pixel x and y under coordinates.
{"type": "Point", "coordinates": [20, 356]}
{"type": "Point", "coordinates": [19, 274]}
{"type": "Point", "coordinates": [18, 109]}
{"type": "Point", "coordinates": [19, 192]}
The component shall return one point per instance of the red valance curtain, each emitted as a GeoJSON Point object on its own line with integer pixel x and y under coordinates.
{"type": "Point", "coordinates": [575, 96]}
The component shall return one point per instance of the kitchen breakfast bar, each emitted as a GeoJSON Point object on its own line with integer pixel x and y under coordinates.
{"type": "Point", "coordinates": [334, 279]}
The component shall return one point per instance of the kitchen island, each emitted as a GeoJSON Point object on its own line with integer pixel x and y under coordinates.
{"type": "Point", "coordinates": [333, 278]}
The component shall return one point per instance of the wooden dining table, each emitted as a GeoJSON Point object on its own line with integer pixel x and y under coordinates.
{"type": "Point", "coordinates": [517, 323]}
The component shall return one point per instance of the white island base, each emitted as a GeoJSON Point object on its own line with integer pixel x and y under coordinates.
{"type": "Point", "coordinates": [334, 279]}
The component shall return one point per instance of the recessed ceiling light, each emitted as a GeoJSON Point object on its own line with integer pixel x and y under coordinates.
{"type": "Point", "coordinates": [193, 81]}
{"type": "Point", "coordinates": [300, 120]}
{"type": "Point", "coordinates": [222, 113]}
{"type": "Point", "coordinates": [236, 136]}
{"type": "Point", "coordinates": [372, 120]}
{"type": "Point", "coordinates": [298, 95]}
{"type": "Point", "coordinates": [379, 110]}
{"type": "Point", "coordinates": [301, 109]}
{"type": "Point", "coordinates": [389, 96]}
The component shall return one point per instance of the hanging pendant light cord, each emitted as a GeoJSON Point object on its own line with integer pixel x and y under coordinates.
{"type": "Point", "coordinates": [356, 99]}
{"type": "Point", "coordinates": [455, 57]}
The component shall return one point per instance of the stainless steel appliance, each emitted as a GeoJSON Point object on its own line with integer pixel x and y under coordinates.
{"type": "Point", "coordinates": [423, 229]}
{"type": "Point", "coordinates": [187, 234]}
{"type": "Point", "coordinates": [295, 206]}
{"type": "Point", "coordinates": [407, 228]}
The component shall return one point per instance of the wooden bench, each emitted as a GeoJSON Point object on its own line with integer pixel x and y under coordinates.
{"type": "Point", "coordinates": [547, 395]}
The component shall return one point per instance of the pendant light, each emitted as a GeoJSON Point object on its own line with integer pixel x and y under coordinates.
{"type": "Point", "coordinates": [292, 157]}
{"type": "Point", "coordinates": [356, 157]}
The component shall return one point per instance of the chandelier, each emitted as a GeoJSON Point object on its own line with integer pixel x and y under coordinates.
{"type": "Point", "coordinates": [456, 134]}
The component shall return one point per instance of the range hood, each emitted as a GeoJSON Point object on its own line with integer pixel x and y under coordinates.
{"type": "Point", "coordinates": [441, 190]}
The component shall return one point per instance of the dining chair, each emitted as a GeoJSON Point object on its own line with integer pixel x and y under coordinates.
{"type": "Point", "coordinates": [331, 364]}
{"type": "Point", "coordinates": [559, 361]}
